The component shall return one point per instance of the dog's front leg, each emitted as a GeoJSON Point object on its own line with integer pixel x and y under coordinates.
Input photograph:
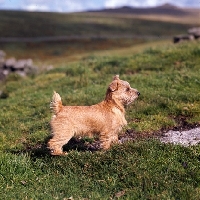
{"type": "Point", "coordinates": [114, 138]}
{"type": "Point", "coordinates": [106, 140]}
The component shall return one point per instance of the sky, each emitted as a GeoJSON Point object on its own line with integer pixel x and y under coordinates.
{"type": "Point", "coordinates": [84, 5]}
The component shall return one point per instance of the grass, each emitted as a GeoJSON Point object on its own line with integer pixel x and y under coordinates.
{"type": "Point", "coordinates": [96, 33]}
{"type": "Point", "coordinates": [38, 24]}
{"type": "Point", "coordinates": [168, 80]}
{"type": "Point", "coordinates": [142, 170]}
{"type": "Point", "coordinates": [73, 50]}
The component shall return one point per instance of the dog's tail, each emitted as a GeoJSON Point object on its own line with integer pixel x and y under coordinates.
{"type": "Point", "coordinates": [56, 103]}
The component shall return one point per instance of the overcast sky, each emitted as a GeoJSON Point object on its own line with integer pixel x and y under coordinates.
{"type": "Point", "coordinates": [83, 5]}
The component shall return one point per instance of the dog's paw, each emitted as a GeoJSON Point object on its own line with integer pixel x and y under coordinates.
{"type": "Point", "coordinates": [57, 153]}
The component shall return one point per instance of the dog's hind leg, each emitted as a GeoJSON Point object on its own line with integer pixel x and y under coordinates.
{"type": "Point", "coordinates": [56, 145]}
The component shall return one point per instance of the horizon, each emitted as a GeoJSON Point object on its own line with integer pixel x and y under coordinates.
{"type": "Point", "coordinates": [88, 5]}
{"type": "Point", "coordinates": [91, 10]}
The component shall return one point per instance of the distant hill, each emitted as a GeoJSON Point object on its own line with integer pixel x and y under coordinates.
{"type": "Point", "coordinates": [165, 9]}
{"type": "Point", "coordinates": [166, 20]}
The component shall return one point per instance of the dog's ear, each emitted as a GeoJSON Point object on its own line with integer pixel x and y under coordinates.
{"type": "Point", "coordinates": [116, 77]}
{"type": "Point", "coordinates": [113, 86]}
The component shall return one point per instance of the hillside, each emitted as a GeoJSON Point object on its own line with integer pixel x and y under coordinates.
{"type": "Point", "coordinates": [121, 22]}
{"type": "Point", "coordinates": [168, 80]}
{"type": "Point", "coordinates": [97, 46]}
{"type": "Point", "coordinates": [166, 9]}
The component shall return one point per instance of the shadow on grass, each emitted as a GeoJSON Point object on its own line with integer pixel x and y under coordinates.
{"type": "Point", "coordinates": [87, 144]}
{"type": "Point", "coordinates": [41, 149]}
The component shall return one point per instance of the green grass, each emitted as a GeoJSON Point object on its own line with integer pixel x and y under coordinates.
{"type": "Point", "coordinates": [168, 80]}
{"type": "Point", "coordinates": [58, 52]}
{"type": "Point", "coordinates": [94, 31]}
{"type": "Point", "coordinates": [142, 170]}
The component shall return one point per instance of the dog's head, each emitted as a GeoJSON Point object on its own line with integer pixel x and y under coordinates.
{"type": "Point", "coordinates": [121, 91]}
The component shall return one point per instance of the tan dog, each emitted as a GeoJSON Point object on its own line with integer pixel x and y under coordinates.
{"type": "Point", "coordinates": [105, 119]}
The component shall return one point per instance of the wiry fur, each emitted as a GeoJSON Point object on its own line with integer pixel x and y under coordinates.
{"type": "Point", "coordinates": [105, 118]}
{"type": "Point", "coordinates": [56, 103]}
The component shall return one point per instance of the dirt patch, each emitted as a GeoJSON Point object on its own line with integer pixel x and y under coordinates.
{"type": "Point", "coordinates": [184, 133]}
{"type": "Point", "coordinates": [183, 125]}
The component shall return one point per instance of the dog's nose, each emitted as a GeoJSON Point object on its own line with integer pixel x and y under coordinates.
{"type": "Point", "coordinates": [138, 93]}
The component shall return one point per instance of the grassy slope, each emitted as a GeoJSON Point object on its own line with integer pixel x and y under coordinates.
{"type": "Point", "coordinates": [59, 52]}
{"type": "Point", "coordinates": [28, 24]}
{"type": "Point", "coordinates": [33, 24]}
{"type": "Point", "coordinates": [168, 79]}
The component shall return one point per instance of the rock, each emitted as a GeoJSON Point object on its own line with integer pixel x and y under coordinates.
{"type": "Point", "coordinates": [22, 66]}
{"type": "Point", "coordinates": [10, 63]}
{"type": "Point", "coordinates": [195, 31]}
{"type": "Point", "coordinates": [185, 138]}
{"type": "Point", "coordinates": [180, 38]}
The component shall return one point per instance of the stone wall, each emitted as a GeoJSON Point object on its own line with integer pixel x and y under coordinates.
{"type": "Point", "coordinates": [23, 67]}
{"type": "Point", "coordinates": [193, 33]}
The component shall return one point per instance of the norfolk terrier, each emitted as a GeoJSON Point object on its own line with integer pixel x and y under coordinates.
{"type": "Point", "coordinates": [104, 119]}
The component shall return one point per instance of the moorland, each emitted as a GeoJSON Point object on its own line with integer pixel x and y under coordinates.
{"type": "Point", "coordinates": [95, 47]}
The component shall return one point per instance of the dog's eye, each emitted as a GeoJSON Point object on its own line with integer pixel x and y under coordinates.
{"type": "Point", "coordinates": [127, 89]}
